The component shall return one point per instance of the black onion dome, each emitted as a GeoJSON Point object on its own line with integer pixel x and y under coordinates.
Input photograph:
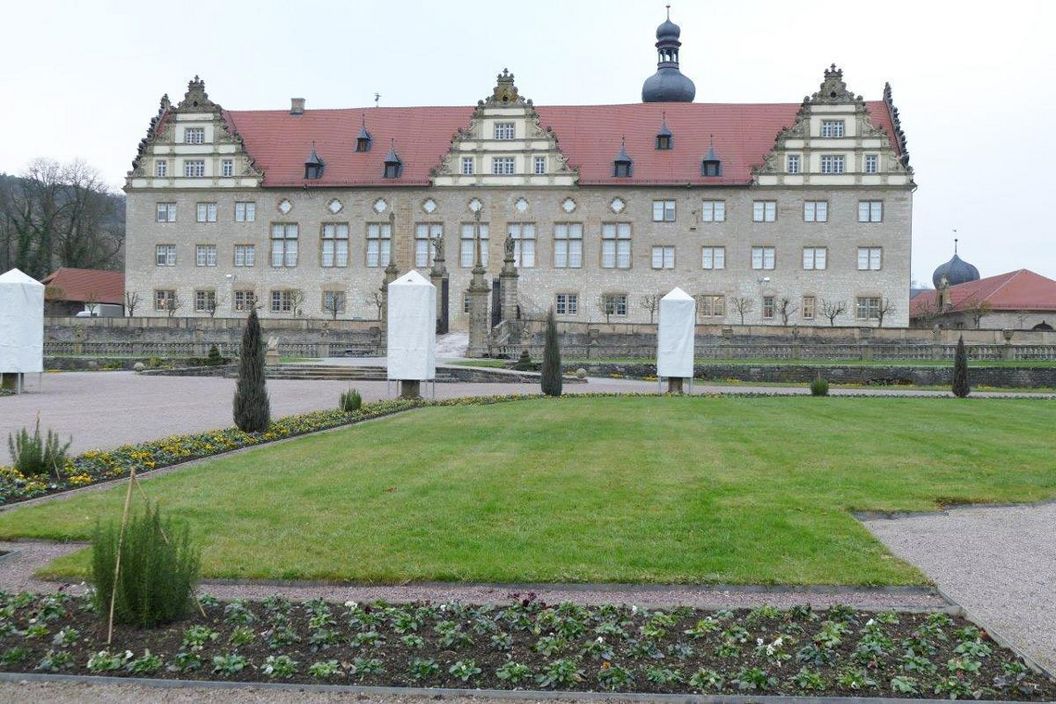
{"type": "Point", "coordinates": [668, 85]}
{"type": "Point", "coordinates": [956, 271]}
{"type": "Point", "coordinates": [668, 30]}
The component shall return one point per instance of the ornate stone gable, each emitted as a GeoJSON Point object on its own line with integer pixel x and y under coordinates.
{"type": "Point", "coordinates": [504, 144]}
{"type": "Point", "coordinates": [863, 150]}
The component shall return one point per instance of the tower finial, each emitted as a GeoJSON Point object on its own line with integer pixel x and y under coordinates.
{"type": "Point", "coordinates": [377, 99]}
{"type": "Point", "coordinates": [955, 242]}
{"type": "Point", "coordinates": [668, 12]}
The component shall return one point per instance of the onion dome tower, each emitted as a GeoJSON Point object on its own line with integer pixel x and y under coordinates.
{"type": "Point", "coordinates": [956, 271]}
{"type": "Point", "coordinates": [668, 85]}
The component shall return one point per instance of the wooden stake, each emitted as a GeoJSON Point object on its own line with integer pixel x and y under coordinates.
{"type": "Point", "coordinates": [117, 561]}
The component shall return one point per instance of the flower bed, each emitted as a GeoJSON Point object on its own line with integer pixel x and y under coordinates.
{"type": "Point", "coordinates": [530, 645]}
{"type": "Point", "coordinates": [95, 466]}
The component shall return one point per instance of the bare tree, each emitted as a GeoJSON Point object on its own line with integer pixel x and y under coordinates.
{"type": "Point", "coordinates": [212, 304]}
{"type": "Point", "coordinates": [376, 299]}
{"type": "Point", "coordinates": [651, 303]}
{"type": "Point", "coordinates": [131, 302]}
{"type": "Point", "coordinates": [173, 304]}
{"type": "Point", "coordinates": [743, 305]}
{"type": "Point", "coordinates": [927, 310]}
{"type": "Point", "coordinates": [886, 306]}
{"type": "Point", "coordinates": [832, 310]}
{"type": "Point", "coordinates": [334, 302]}
{"type": "Point", "coordinates": [607, 306]}
{"type": "Point", "coordinates": [976, 308]}
{"type": "Point", "coordinates": [91, 304]}
{"type": "Point", "coordinates": [786, 308]}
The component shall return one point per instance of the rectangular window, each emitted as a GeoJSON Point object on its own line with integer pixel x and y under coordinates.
{"type": "Point", "coordinates": [663, 211]}
{"type": "Point", "coordinates": [379, 244]}
{"type": "Point", "coordinates": [425, 233]}
{"type": "Point", "coordinates": [867, 308]}
{"type": "Point", "coordinates": [245, 212]}
{"type": "Point", "coordinates": [768, 306]}
{"type": "Point", "coordinates": [523, 234]}
{"type": "Point", "coordinates": [567, 304]}
{"type": "Point", "coordinates": [832, 128]}
{"type": "Point", "coordinates": [282, 301]}
{"type": "Point", "coordinates": [166, 212]}
{"type": "Point", "coordinates": [227, 167]}
{"type": "Point", "coordinates": [712, 305]}
{"type": "Point", "coordinates": [502, 165]}
{"type": "Point", "coordinates": [164, 299]}
{"type": "Point", "coordinates": [764, 211]}
{"type": "Point", "coordinates": [616, 245]}
{"type": "Point", "coordinates": [467, 166]}
{"type": "Point", "coordinates": [792, 163]}
{"type": "Point", "coordinates": [284, 244]}
{"type": "Point", "coordinates": [504, 130]}
{"type": "Point", "coordinates": [165, 255]}
{"type": "Point", "coordinates": [872, 163]}
{"type": "Point", "coordinates": [808, 307]}
{"type": "Point", "coordinates": [245, 300]}
{"type": "Point", "coordinates": [333, 303]}
{"type": "Point", "coordinates": [245, 255]}
{"type": "Point", "coordinates": [161, 168]}
{"type": "Point", "coordinates": [713, 258]}
{"type": "Point", "coordinates": [540, 165]}
{"type": "Point", "coordinates": [815, 211]}
{"type": "Point", "coordinates": [467, 256]}
{"type": "Point", "coordinates": [568, 245]}
{"type": "Point", "coordinates": [869, 258]}
{"type": "Point", "coordinates": [335, 245]}
{"type": "Point", "coordinates": [194, 168]}
{"type": "Point", "coordinates": [615, 304]}
{"type": "Point", "coordinates": [664, 257]}
{"type": "Point", "coordinates": [713, 211]}
{"type": "Point", "coordinates": [832, 163]}
{"type": "Point", "coordinates": [206, 212]}
{"type": "Point", "coordinates": [763, 257]}
{"type": "Point", "coordinates": [194, 135]}
{"type": "Point", "coordinates": [204, 301]}
{"type": "Point", "coordinates": [814, 258]}
{"type": "Point", "coordinates": [870, 211]}
{"type": "Point", "coordinates": [205, 255]}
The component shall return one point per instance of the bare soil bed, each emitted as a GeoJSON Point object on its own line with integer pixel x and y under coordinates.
{"type": "Point", "coordinates": [531, 645]}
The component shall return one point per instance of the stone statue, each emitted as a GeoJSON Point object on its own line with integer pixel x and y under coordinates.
{"type": "Point", "coordinates": [508, 246]}
{"type": "Point", "coordinates": [273, 344]}
{"type": "Point", "coordinates": [438, 249]}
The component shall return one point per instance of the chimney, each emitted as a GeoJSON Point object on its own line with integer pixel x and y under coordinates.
{"type": "Point", "coordinates": [296, 106]}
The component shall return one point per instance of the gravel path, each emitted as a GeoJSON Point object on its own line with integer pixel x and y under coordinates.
{"type": "Point", "coordinates": [999, 563]}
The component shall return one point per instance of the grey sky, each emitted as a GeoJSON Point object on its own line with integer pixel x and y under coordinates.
{"type": "Point", "coordinates": [973, 81]}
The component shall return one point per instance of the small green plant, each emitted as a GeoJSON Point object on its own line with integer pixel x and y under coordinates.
{"type": "Point", "coordinates": [421, 669]}
{"type": "Point", "coordinates": [214, 358]}
{"type": "Point", "coordinates": [105, 661]}
{"type": "Point", "coordinates": [350, 401]}
{"type": "Point", "coordinates": [55, 661]}
{"type": "Point", "coordinates": [324, 669]}
{"type": "Point", "coordinates": [819, 387]}
{"type": "Point", "coordinates": [146, 665]}
{"type": "Point", "coordinates": [560, 673]}
{"type": "Point", "coordinates": [704, 679]}
{"type": "Point", "coordinates": [229, 664]}
{"type": "Point", "coordinates": [241, 635]}
{"type": "Point", "coordinates": [513, 672]}
{"type": "Point", "coordinates": [524, 362]}
{"type": "Point", "coordinates": [34, 455]}
{"type": "Point", "coordinates": [903, 684]}
{"type": "Point", "coordinates": [279, 667]}
{"type": "Point", "coordinates": [159, 570]}
{"type": "Point", "coordinates": [196, 637]}
{"type": "Point", "coordinates": [614, 677]}
{"type": "Point", "coordinates": [465, 670]}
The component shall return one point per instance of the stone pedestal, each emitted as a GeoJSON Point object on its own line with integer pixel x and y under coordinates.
{"type": "Point", "coordinates": [437, 277]}
{"type": "Point", "coordinates": [391, 274]}
{"type": "Point", "coordinates": [11, 382]}
{"type": "Point", "coordinates": [508, 283]}
{"type": "Point", "coordinates": [479, 292]}
{"type": "Point", "coordinates": [410, 388]}
{"type": "Point", "coordinates": [675, 385]}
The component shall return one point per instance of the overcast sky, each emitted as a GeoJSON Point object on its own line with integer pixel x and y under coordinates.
{"type": "Point", "coordinates": [974, 81]}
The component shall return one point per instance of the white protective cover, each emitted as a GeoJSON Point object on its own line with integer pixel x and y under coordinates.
{"type": "Point", "coordinates": [412, 328]}
{"type": "Point", "coordinates": [674, 344]}
{"type": "Point", "coordinates": [21, 323]}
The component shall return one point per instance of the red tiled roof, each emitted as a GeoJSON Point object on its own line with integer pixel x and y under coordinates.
{"type": "Point", "coordinates": [588, 135]}
{"type": "Point", "coordinates": [1016, 290]}
{"type": "Point", "coordinates": [81, 284]}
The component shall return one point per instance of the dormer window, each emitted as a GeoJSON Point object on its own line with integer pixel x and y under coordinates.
{"type": "Point", "coordinates": [313, 168]}
{"type": "Point", "coordinates": [393, 165]}
{"type": "Point", "coordinates": [363, 139]}
{"type": "Point", "coordinates": [663, 137]}
{"type": "Point", "coordinates": [622, 165]}
{"type": "Point", "coordinates": [711, 164]}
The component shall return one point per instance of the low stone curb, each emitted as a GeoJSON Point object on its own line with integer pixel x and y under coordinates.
{"type": "Point", "coordinates": [443, 693]}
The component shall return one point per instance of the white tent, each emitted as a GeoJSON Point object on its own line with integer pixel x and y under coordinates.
{"type": "Point", "coordinates": [411, 322]}
{"type": "Point", "coordinates": [21, 324]}
{"type": "Point", "coordinates": [674, 348]}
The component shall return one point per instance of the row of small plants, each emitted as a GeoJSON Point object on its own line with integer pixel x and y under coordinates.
{"type": "Point", "coordinates": [526, 644]}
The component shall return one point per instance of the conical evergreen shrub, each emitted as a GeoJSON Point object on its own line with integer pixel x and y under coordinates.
{"type": "Point", "coordinates": [252, 407]}
{"type": "Point", "coordinates": [551, 377]}
{"type": "Point", "coordinates": [960, 370]}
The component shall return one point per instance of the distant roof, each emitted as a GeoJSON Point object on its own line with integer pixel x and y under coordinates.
{"type": "Point", "coordinates": [588, 135]}
{"type": "Point", "coordinates": [80, 285]}
{"type": "Point", "coordinates": [1016, 290]}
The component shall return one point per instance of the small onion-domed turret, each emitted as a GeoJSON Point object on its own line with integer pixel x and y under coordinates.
{"type": "Point", "coordinates": [956, 271]}
{"type": "Point", "coordinates": [668, 85]}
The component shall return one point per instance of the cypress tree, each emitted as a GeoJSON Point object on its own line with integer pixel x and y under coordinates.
{"type": "Point", "coordinates": [252, 407]}
{"type": "Point", "coordinates": [960, 370]}
{"type": "Point", "coordinates": [551, 377]}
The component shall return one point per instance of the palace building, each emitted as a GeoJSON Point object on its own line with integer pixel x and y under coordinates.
{"type": "Point", "coordinates": [768, 212]}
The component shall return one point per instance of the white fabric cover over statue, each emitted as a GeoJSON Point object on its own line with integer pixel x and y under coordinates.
{"type": "Point", "coordinates": [21, 324]}
{"type": "Point", "coordinates": [411, 325]}
{"type": "Point", "coordinates": [674, 343]}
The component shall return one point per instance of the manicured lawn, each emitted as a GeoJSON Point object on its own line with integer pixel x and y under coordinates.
{"type": "Point", "coordinates": [768, 362]}
{"type": "Point", "coordinates": [634, 489]}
